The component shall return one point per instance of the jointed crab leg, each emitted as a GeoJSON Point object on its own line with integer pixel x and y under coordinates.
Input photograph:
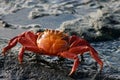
{"type": "Point", "coordinates": [27, 39]}
{"type": "Point", "coordinates": [11, 44]}
{"type": "Point", "coordinates": [80, 46]}
{"type": "Point", "coordinates": [73, 52]}
{"type": "Point", "coordinates": [29, 48]}
{"type": "Point", "coordinates": [71, 56]}
{"type": "Point", "coordinates": [82, 49]}
{"type": "Point", "coordinates": [20, 54]}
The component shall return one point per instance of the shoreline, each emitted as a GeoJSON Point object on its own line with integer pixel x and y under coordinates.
{"type": "Point", "coordinates": [96, 21]}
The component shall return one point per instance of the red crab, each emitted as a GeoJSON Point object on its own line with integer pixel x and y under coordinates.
{"type": "Point", "coordinates": [53, 43]}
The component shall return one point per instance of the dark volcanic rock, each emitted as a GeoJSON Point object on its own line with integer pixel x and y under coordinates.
{"type": "Point", "coordinates": [10, 69]}
{"type": "Point", "coordinates": [104, 24]}
{"type": "Point", "coordinates": [4, 24]}
{"type": "Point", "coordinates": [31, 69]}
{"type": "Point", "coordinates": [38, 67]}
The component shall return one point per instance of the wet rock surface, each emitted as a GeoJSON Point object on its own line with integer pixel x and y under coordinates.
{"type": "Point", "coordinates": [4, 24]}
{"type": "Point", "coordinates": [10, 69]}
{"type": "Point", "coordinates": [37, 67]}
{"type": "Point", "coordinates": [104, 24]}
{"type": "Point", "coordinates": [93, 20]}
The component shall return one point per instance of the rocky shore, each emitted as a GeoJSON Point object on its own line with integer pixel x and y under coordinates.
{"type": "Point", "coordinates": [96, 21]}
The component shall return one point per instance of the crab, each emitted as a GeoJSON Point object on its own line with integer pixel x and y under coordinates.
{"type": "Point", "coordinates": [53, 43]}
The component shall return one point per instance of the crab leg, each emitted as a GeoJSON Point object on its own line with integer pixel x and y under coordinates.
{"type": "Point", "coordinates": [11, 44]}
{"type": "Point", "coordinates": [75, 41]}
{"type": "Point", "coordinates": [71, 56]}
{"type": "Point", "coordinates": [83, 46]}
{"type": "Point", "coordinates": [82, 49]}
{"type": "Point", "coordinates": [20, 55]}
{"type": "Point", "coordinates": [24, 37]}
{"type": "Point", "coordinates": [28, 48]}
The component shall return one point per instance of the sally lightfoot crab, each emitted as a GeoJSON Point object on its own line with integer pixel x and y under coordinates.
{"type": "Point", "coordinates": [53, 43]}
